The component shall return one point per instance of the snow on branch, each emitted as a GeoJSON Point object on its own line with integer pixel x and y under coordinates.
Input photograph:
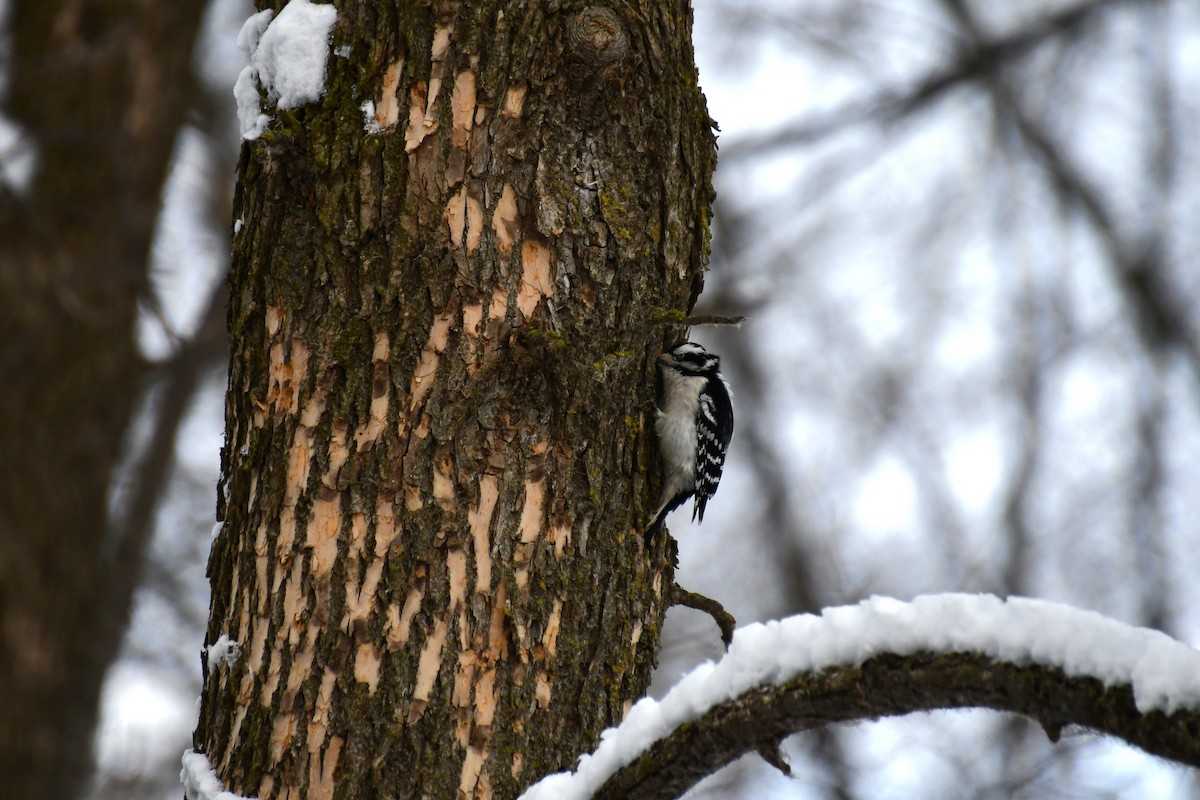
{"type": "Point", "coordinates": [882, 657]}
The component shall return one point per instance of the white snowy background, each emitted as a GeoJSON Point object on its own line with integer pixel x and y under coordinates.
{"type": "Point", "coordinates": [941, 386]}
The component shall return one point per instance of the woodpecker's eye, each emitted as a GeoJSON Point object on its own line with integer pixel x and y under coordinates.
{"type": "Point", "coordinates": [692, 357]}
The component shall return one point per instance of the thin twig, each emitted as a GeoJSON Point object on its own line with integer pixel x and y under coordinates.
{"type": "Point", "coordinates": [724, 620]}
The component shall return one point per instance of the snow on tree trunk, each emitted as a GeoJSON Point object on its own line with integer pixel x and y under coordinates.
{"type": "Point", "coordinates": [443, 306]}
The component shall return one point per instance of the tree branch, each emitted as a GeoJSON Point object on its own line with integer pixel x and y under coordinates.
{"type": "Point", "coordinates": [674, 317]}
{"type": "Point", "coordinates": [980, 62]}
{"type": "Point", "coordinates": [1137, 270]}
{"type": "Point", "coordinates": [724, 620]}
{"type": "Point", "coordinates": [714, 319]}
{"type": "Point", "coordinates": [149, 477]}
{"type": "Point", "coordinates": [890, 685]}
{"type": "Point", "coordinates": [882, 657]}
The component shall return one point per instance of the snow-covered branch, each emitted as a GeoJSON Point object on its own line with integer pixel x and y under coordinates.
{"type": "Point", "coordinates": [1056, 664]}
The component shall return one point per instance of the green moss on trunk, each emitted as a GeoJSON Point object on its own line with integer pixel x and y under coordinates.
{"type": "Point", "coordinates": [448, 316]}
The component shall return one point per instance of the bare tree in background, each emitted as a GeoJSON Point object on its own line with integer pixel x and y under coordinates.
{"type": "Point", "coordinates": [971, 315]}
{"type": "Point", "coordinates": [98, 90]}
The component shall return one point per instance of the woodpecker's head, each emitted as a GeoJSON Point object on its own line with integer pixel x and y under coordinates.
{"type": "Point", "coordinates": [690, 358]}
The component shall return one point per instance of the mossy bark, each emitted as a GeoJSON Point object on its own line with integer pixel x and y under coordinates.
{"type": "Point", "coordinates": [438, 458]}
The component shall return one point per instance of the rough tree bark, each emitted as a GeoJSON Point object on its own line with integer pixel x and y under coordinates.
{"type": "Point", "coordinates": [99, 89]}
{"type": "Point", "coordinates": [438, 457]}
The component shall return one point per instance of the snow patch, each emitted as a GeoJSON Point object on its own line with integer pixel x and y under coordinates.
{"type": "Point", "coordinates": [200, 781]}
{"type": "Point", "coordinates": [1164, 673]}
{"type": "Point", "coordinates": [370, 122]}
{"type": "Point", "coordinates": [285, 56]}
{"type": "Point", "coordinates": [224, 652]}
{"type": "Point", "coordinates": [245, 90]}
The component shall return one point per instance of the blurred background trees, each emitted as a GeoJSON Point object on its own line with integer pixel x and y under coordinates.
{"type": "Point", "coordinates": [93, 96]}
{"type": "Point", "coordinates": [962, 234]}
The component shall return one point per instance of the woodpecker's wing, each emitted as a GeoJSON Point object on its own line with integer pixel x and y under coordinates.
{"type": "Point", "coordinates": [714, 429]}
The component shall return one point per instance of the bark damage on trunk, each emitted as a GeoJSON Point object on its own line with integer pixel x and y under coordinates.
{"type": "Point", "coordinates": [438, 453]}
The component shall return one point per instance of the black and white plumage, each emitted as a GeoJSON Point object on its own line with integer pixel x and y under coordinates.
{"type": "Point", "coordinates": [694, 423]}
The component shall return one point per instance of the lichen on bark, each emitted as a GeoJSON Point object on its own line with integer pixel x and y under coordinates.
{"type": "Point", "coordinates": [431, 547]}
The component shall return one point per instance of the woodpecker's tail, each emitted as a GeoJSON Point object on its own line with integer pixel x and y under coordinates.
{"type": "Point", "coordinates": [655, 522]}
{"type": "Point", "coordinates": [668, 505]}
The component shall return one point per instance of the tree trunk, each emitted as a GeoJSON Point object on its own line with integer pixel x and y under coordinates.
{"type": "Point", "coordinates": [96, 89]}
{"type": "Point", "coordinates": [438, 453]}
